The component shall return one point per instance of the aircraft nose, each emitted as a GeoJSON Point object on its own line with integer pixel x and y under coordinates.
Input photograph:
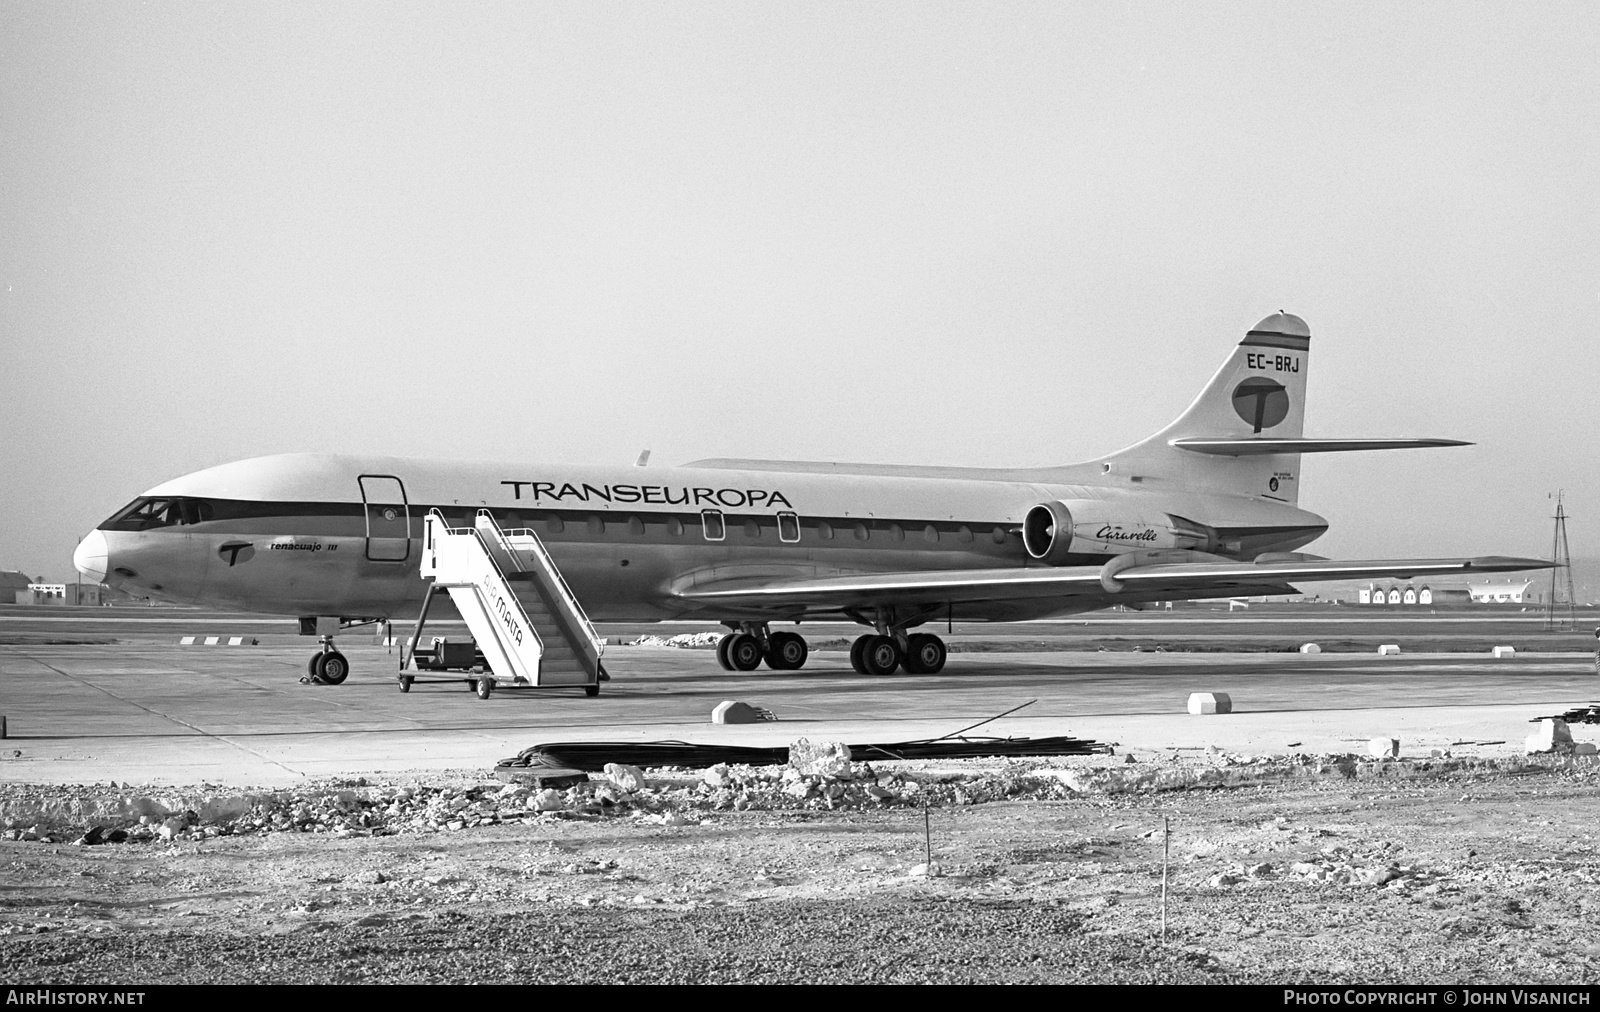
{"type": "Point", "coordinates": [90, 556]}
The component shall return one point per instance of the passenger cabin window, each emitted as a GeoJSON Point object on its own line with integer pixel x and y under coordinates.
{"type": "Point", "coordinates": [824, 530]}
{"type": "Point", "coordinates": [788, 528]}
{"type": "Point", "coordinates": [752, 529]}
{"type": "Point", "coordinates": [711, 522]}
{"type": "Point", "coordinates": [675, 527]}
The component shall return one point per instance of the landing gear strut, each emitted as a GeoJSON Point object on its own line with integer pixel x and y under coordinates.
{"type": "Point", "coordinates": [326, 667]}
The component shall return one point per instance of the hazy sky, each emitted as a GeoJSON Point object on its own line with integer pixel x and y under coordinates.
{"type": "Point", "coordinates": [983, 234]}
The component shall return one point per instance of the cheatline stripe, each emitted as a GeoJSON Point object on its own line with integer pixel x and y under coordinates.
{"type": "Point", "coordinates": [1267, 339]}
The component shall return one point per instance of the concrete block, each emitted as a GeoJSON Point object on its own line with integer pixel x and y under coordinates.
{"type": "Point", "coordinates": [1504, 652]}
{"type": "Point", "coordinates": [1552, 735]}
{"type": "Point", "coordinates": [1310, 648]}
{"type": "Point", "coordinates": [1210, 702]}
{"type": "Point", "coordinates": [1388, 649]}
{"type": "Point", "coordinates": [1384, 748]}
{"type": "Point", "coordinates": [731, 711]}
{"type": "Point", "coordinates": [1579, 748]}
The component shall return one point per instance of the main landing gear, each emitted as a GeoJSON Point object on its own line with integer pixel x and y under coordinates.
{"type": "Point", "coordinates": [879, 654]}
{"type": "Point", "coordinates": [326, 667]}
{"type": "Point", "coordinates": [746, 649]}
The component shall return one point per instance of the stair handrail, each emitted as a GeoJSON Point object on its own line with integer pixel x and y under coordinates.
{"type": "Point", "coordinates": [567, 596]}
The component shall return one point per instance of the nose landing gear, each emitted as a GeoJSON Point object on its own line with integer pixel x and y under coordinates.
{"type": "Point", "coordinates": [326, 667]}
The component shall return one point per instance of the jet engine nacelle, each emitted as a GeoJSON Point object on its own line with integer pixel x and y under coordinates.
{"type": "Point", "coordinates": [1053, 531]}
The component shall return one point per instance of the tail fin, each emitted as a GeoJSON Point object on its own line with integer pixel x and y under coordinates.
{"type": "Point", "coordinates": [1244, 434]}
{"type": "Point", "coordinates": [1233, 437]}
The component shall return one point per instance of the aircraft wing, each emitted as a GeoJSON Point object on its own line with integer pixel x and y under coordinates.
{"type": "Point", "coordinates": [1209, 577]}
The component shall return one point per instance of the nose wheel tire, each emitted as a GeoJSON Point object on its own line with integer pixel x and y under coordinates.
{"type": "Point", "coordinates": [333, 669]}
{"type": "Point", "coordinates": [327, 668]}
{"type": "Point", "coordinates": [881, 656]}
{"type": "Point", "coordinates": [745, 653]}
{"type": "Point", "coordinates": [786, 651]}
{"type": "Point", "coordinates": [925, 655]}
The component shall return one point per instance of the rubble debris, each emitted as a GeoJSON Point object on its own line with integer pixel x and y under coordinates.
{"type": "Point", "coordinates": [626, 777]}
{"type": "Point", "coordinates": [669, 796]}
{"type": "Point", "coordinates": [686, 641]}
{"type": "Point", "coordinates": [824, 758]}
{"type": "Point", "coordinates": [732, 711]}
{"type": "Point", "coordinates": [1210, 702]}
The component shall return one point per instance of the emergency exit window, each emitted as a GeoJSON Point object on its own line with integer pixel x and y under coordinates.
{"type": "Point", "coordinates": [711, 521]}
{"type": "Point", "coordinates": [788, 528]}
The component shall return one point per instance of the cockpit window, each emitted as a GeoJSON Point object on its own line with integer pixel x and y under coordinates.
{"type": "Point", "coordinates": [147, 513]}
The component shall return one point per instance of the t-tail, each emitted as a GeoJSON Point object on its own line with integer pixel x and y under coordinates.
{"type": "Point", "coordinates": [1245, 433]}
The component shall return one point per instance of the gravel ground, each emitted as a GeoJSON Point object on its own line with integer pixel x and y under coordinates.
{"type": "Point", "coordinates": [1328, 869]}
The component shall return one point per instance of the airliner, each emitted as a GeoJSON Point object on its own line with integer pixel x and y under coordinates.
{"type": "Point", "coordinates": [1206, 508]}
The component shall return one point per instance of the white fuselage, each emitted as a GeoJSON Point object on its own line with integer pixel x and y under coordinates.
{"type": "Point", "coordinates": [337, 535]}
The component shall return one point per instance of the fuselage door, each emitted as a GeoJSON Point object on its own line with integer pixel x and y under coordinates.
{"type": "Point", "coordinates": [388, 518]}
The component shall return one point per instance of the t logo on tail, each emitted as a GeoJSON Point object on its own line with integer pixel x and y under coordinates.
{"type": "Point", "coordinates": [1261, 402]}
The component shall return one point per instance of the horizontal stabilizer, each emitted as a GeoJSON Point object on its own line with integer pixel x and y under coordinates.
{"type": "Point", "coordinates": [1256, 447]}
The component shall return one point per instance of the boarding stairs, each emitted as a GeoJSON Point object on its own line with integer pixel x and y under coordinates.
{"type": "Point", "coordinates": [527, 626]}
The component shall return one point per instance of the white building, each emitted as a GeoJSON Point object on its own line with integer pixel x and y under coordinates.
{"type": "Point", "coordinates": [1499, 593]}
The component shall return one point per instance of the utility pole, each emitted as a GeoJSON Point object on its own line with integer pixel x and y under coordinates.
{"type": "Point", "coordinates": [1561, 614]}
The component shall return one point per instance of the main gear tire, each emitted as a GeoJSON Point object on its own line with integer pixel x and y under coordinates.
{"type": "Point", "coordinates": [745, 652]}
{"type": "Point", "coordinates": [786, 651]}
{"type": "Point", "coordinates": [881, 656]}
{"type": "Point", "coordinates": [856, 648]}
{"type": "Point", "coordinates": [722, 651]}
{"type": "Point", "coordinates": [925, 655]}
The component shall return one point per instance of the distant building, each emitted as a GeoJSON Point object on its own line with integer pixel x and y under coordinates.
{"type": "Point", "coordinates": [1499, 593]}
{"type": "Point", "coordinates": [11, 582]}
{"type": "Point", "coordinates": [58, 593]}
{"type": "Point", "coordinates": [1428, 595]}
